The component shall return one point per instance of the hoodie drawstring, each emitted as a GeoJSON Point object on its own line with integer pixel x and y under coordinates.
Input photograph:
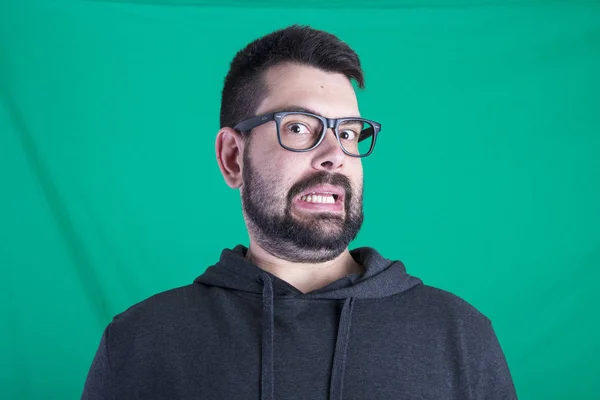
{"type": "Point", "coordinates": [339, 356]}
{"type": "Point", "coordinates": [267, 384]}
{"type": "Point", "coordinates": [341, 345]}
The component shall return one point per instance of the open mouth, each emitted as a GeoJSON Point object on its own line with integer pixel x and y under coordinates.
{"type": "Point", "coordinates": [322, 197]}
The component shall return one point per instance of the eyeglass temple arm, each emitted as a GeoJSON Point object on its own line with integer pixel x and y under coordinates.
{"type": "Point", "coordinates": [366, 134]}
{"type": "Point", "coordinates": [253, 122]}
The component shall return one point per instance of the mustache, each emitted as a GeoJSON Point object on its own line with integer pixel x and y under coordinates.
{"type": "Point", "coordinates": [321, 178]}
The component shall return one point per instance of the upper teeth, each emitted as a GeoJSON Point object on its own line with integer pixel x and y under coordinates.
{"type": "Point", "coordinates": [317, 198]}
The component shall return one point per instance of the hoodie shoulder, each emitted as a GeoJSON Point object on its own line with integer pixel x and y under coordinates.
{"type": "Point", "coordinates": [442, 305]}
{"type": "Point", "coordinates": [161, 308]}
{"type": "Point", "coordinates": [448, 329]}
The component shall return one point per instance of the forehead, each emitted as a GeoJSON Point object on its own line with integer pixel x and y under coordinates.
{"type": "Point", "coordinates": [292, 85]}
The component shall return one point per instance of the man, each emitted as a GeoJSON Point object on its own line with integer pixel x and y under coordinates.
{"type": "Point", "coordinates": [296, 315]}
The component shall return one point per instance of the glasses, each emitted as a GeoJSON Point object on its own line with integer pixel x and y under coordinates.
{"type": "Point", "coordinates": [303, 131]}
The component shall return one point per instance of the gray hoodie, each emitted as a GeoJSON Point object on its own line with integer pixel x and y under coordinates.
{"type": "Point", "coordinates": [239, 332]}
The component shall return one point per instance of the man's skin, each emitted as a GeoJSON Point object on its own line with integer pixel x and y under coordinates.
{"type": "Point", "coordinates": [330, 95]}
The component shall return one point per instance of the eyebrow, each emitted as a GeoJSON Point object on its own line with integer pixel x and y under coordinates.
{"type": "Point", "coordinates": [304, 109]}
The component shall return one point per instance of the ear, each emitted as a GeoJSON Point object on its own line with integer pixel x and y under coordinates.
{"type": "Point", "coordinates": [229, 147]}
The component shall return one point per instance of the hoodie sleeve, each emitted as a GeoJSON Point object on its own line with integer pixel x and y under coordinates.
{"type": "Point", "coordinates": [495, 381]}
{"type": "Point", "coordinates": [98, 382]}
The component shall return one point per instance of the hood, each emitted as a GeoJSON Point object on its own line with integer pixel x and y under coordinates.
{"type": "Point", "coordinates": [381, 278]}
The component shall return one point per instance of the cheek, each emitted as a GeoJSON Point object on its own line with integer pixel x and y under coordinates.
{"type": "Point", "coordinates": [276, 165]}
{"type": "Point", "coordinates": [285, 172]}
{"type": "Point", "coordinates": [355, 173]}
{"type": "Point", "coordinates": [277, 174]}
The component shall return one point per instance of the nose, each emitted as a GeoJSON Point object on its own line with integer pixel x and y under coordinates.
{"type": "Point", "coordinates": [329, 155]}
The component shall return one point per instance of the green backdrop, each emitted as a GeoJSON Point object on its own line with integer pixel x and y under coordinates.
{"type": "Point", "coordinates": [485, 180]}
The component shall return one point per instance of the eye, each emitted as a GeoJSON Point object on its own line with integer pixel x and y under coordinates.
{"type": "Point", "coordinates": [298, 129]}
{"type": "Point", "coordinates": [348, 135]}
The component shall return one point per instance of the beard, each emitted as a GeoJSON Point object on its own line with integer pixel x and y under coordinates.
{"type": "Point", "coordinates": [311, 238]}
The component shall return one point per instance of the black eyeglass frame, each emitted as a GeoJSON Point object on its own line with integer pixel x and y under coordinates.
{"type": "Point", "coordinates": [251, 123]}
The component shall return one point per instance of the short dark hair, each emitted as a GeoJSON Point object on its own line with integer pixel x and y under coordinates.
{"type": "Point", "coordinates": [245, 86]}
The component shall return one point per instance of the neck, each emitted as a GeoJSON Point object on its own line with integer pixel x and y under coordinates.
{"type": "Point", "coordinates": [305, 277]}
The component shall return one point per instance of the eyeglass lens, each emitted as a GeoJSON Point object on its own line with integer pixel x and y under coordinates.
{"type": "Point", "coordinates": [301, 132]}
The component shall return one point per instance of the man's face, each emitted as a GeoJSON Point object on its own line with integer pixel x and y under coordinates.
{"type": "Point", "coordinates": [276, 180]}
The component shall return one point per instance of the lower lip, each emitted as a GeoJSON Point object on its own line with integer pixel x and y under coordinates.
{"type": "Point", "coordinates": [335, 207]}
